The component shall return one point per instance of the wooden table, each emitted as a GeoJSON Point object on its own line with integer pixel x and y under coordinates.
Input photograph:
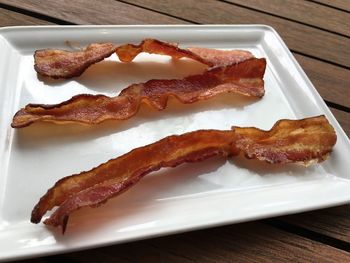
{"type": "Point", "coordinates": [318, 34]}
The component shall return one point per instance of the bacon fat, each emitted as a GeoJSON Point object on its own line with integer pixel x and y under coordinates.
{"type": "Point", "coordinates": [56, 63]}
{"type": "Point", "coordinates": [244, 78]}
{"type": "Point", "coordinates": [289, 141]}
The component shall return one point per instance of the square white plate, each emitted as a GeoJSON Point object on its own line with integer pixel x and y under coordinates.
{"type": "Point", "coordinates": [192, 196]}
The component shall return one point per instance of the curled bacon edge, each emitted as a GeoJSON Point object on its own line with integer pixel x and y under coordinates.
{"type": "Point", "coordinates": [304, 141]}
{"type": "Point", "coordinates": [245, 78]}
{"type": "Point", "coordinates": [57, 63]}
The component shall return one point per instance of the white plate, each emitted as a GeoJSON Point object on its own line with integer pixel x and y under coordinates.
{"type": "Point", "coordinates": [192, 196]}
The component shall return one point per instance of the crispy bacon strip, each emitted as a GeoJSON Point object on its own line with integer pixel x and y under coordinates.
{"type": "Point", "coordinates": [245, 78]}
{"type": "Point", "coordinates": [57, 63]}
{"type": "Point", "coordinates": [289, 141]}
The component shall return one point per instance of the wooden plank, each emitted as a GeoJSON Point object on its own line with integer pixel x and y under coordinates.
{"type": "Point", "coordinates": [344, 120]}
{"type": "Point", "coordinates": [301, 38]}
{"type": "Point", "coordinates": [10, 18]}
{"type": "Point", "coordinates": [249, 242]}
{"type": "Point", "coordinates": [132, 252]}
{"type": "Point", "coordinates": [92, 12]}
{"type": "Point", "coordinates": [91, 255]}
{"type": "Point", "coordinates": [337, 21]}
{"type": "Point", "coordinates": [146, 252]}
{"type": "Point", "coordinates": [331, 82]}
{"type": "Point", "coordinates": [341, 4]}
{"type": "Point", "coordinates": [333, 222]}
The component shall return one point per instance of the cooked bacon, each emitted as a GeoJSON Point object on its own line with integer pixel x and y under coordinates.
{"type": "Point", "coordinates": [289, 141]}
{"type": "Point", "coordinates": [244, 78]}
{"type": "Point", "coordinates": [57, 63]}
{"type": "Point", "coordinates": [303, 141]}
{"type": "Point", "coordinates": [216, 57]}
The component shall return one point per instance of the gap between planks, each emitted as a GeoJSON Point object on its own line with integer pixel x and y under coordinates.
{"type": "Point", "coordinates": [292, 226]}
{"type": "Point", "coordinates": [253, 242]}
{"type": "Point", "coordinates": [294, 10]}
{"type": "Point", "coordinates": [342, 5]}
{"type": "Point", "coordinates": [30, 15]}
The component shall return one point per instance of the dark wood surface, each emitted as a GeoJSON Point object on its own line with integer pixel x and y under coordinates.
{"type": "Point", "coordinates": [318, 34]}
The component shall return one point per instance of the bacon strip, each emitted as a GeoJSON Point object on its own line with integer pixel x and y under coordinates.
{"type": "Point", "coordinates": [57, 63]}
{"type": "Point", "coordinates": [244, 78]}
{"type": "Point", "coordinates": [289, 141]}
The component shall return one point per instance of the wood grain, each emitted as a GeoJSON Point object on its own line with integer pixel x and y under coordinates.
{"type": "Point", "coordinates": [93, 255]}
{"type": "Point", "coordinates": [92, 12]}
{"type": "Point", "coordinates": [344, 120]}
{"type": "Point", "coordinates": [249, 242]}
{"type": "Point", "coordinates": [331, 82]}
{"type": "Point", "coordinates": [341, 4]}
{"type": "Point", "coordinates": [333, 222]}
{"type": "Point", "coordinates": [10, 18]}
{"type": "Point", "coordinates": [303, 11]}
{"type": "Point", "coordinates": [302, 38]}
